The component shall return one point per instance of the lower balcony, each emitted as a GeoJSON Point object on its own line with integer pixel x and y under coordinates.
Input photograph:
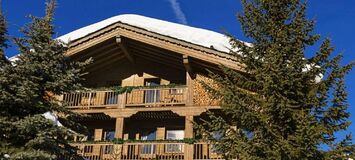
{"type": "Point", "coordinates": [147, 151]}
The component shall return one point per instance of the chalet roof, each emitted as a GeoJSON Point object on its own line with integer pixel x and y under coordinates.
{"type": "Point", "coordinates": [196, 43]}
{"type": "Point", "coordinates": [186, 33]}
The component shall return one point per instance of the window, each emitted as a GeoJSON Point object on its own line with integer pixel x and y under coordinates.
{"type": "Point", "coordinates": [109, 135]}
{"type": "Point", "coordinates": [151, 96]}
{"type": "Point", "coordinates": [148, 148]}
{"type": "Point", "coordinates": [149, 135]}
{"type": "Point", "coordinates": [152, 81]}
{"type": "Point", "coordinates": [174, 135]}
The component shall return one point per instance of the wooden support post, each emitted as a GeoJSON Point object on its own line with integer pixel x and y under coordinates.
{"type": "Point", "coordinates": [160, 133]}
{"type": "Point", "coordinates": [189, 126]}
{"type": "Point", "coordinates": [119, 127]}
{"type": "Point", "coordinates": [138, 136]}
{"type": "Point", "coordinates": [122, 100]}
{"type": "Point", "coordinates": [189, 94]}
{"type": "Point", "coordinates": [187, 64]}
{"type": "Point", "coordinates": [98, 134]}
{"type": "Point", "coordinates": [97, 137]}
{"type": "Point", "coordinates": [188, 152]}
{"type": "Point", "coordinates": [189, 80]}
{"type": "Point", "coordinates": [122, 44]}
{"type": "Point", "coordinates": [160, 136]}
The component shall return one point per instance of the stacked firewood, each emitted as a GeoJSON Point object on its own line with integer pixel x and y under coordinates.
{"type": "Point", "coordinates": [201, 96]}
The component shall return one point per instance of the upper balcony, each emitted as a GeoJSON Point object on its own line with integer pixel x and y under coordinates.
{"type": "Point", "coordinates": [144, 97]}
{"type": "Point", "coordinates": [162, 96]}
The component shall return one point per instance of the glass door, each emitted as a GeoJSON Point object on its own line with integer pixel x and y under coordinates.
{"type": "Point", "coordinates": [152, 95]}
{"type": "Point", "coordinates": [148, 148]}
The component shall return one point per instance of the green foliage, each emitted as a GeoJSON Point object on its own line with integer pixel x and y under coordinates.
{"type": "Point", "coordinates": [118, 141]}
{"type": "Point", "coordinates": [189, 140]}
{"type": "Point", "coordinates": [27, 87]}
{"type": "Point", "coordinates": [122, 141]}
{"type": "Point", "coordinates": [128, 89]}
{"type": "Point", "coordinates": [276, 109]}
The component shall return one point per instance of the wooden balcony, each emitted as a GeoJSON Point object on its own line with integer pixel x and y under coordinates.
{"type": "Point", "coordinates": [147, 151]}
{"type": "Point", "coordinates": [156, 97]}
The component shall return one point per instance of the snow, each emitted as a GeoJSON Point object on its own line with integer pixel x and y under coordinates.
{"type": "Point", "coordinates": [6, 156]}
{"type": "Point", "coordinates": [308, 67]}
{"type": "Point", "coordinates": [193, 35]}
{"type": "Point", "coordinates": [186, 33]}
{"type": "Point", "coordinates": [51, 116]}
{"type": "Point", "coordinates": [14, 58]}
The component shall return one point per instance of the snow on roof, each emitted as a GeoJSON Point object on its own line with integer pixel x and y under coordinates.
{"type": "Point", "coordinates": [193, 35]}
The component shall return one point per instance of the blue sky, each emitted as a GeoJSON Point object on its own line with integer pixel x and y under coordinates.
{"type": "Point", "coordinates": [334, 19]}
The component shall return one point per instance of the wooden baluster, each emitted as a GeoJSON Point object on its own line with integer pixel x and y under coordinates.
{"type": "Point", "coordinates": [117, 98]}
{"type": "Point", "coordinates": [155, 97]}
{"type": "Point", "coordinates": [90, 94]}
{"type": "Point", "coordinates": [69, 100]}
{"type": "Point", "coordinates": [74, 99]}
{"type": "Point", "coordinates": [124, 100]}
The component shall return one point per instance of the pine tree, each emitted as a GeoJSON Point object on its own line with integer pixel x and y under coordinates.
{"type": "Point", "coordinates": [283, 105]}
{"type": "Point", "coordinates": [3, 44]}
{"type": "Point", "coordinates": [27, 87]}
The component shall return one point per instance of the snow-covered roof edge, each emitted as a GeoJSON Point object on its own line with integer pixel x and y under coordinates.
{"type": "Point", "coordinates": [186, 33]}
{"type": "Point", "coordinates": [198, 36]}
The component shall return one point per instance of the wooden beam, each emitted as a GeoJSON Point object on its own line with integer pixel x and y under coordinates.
{"type": "Point", "coordinates": [161, 61]}
{"type": "Point", "coordinates": [103, 59]}
{"type": "Point", "coordinates": [93, 52]}
{"type": "Point", "coordinates": [107, 63]}
{"type": "Point", "coordinates": [157, 55]}
{"type": "Point", "coordinates": [121, 42]}
{"type": "Point", "coordinates": [148, 47]}
{"type": "Point", "coordinates": [205, 65]}
{"type": "Point", "coordinates": [198, 52]}
{"type": "Point", "coordinates": [187, 64]}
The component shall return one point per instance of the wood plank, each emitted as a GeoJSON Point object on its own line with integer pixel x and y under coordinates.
{"type": "Point", "coordinates": [94, 51]}
{"type": "Point", "coordinates": [151, 48]}
{"type": "Point", "coordinates": [155, 55]}
{"type": "Point", "coordinates": [121, 41]}
{"type": "Point", "coordinates": [187, 64]}
{"type": "Point", "coordinates": [97, 61]}
{"type": "Point", "coordinates": [108, 63]}
{"type": "Point", "coordinates": [158, 60]}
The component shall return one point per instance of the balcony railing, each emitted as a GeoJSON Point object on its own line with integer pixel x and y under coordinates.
{"type": "Point", "coordinates": [137, 151]}
{"type": "Point", "coordinates": [136, 98]}
{"type": "Point", "coordinates": [91, 99]}
{"type": "Point", "coordinates": [156, 97]}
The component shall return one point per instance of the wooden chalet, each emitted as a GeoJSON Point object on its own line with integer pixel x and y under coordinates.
{"type": "Point", "coordinates": [152, 120]}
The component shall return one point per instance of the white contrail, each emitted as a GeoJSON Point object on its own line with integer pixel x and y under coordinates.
{"type": "Point", "coordinates": [178, 12]}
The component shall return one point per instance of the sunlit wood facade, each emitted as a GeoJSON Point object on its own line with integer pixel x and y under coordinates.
{"type": "Point", "coordinates": [166, 100]}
